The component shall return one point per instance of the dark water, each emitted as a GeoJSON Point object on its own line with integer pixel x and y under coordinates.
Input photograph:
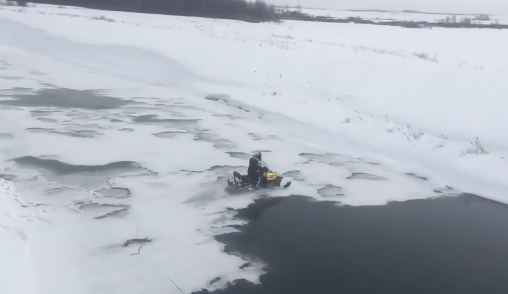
{"type": "Point", "coordinates": [446, 245]}
{"type": "Point", "coordinates": [65, 98]}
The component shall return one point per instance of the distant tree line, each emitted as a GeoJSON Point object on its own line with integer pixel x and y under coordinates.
{"type": "Point", "coordinates": [297, 15]}
{"type": "Point", "coordinates": [257, 11]}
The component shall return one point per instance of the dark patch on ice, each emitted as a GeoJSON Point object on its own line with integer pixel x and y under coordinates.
{"type": "Point", "coordinates": [85, 125]}
{"type": "Point", "coordinates": [230, 116]}
{"type": "Point", "coordinates": [138, 109]}
{"type": "Point", "coordinates": [241, 108]}
{"type": "Point", "coordinates": [245, 265]}
{"type": "Point", "coordinates": [139, 105]}
{"type": "Point", "coordinates": [167, 135]}
{"type": "Point", "coordinates": [16, 89]}
{"type": "Point", "coordinates": [179, 105]}
{"type": "Point", "coordinates": [445, 245]}
{"type": "Point", "coordinates": [59, 190]}
{"type": "Point", "coordinates": [5, 107]}
{"type": "Point", "coordinates": [37, 73]}
{"type": "Point", "coordinates": [48, 120]}
{"type": "Point", "coordinates": [100, 211]}
{"type": "Point", "coordinates": [114, 120]}
{"type": "Point", "coordinates": [296, 175]}
{"type": "Point", "coordinates": [118, 193]}
{"type": "Point", "coordinates": [61, 168]}
{"type": "Point", "coordinates": [137, 242]}
{"type": "Point", "coordinates": [447, 191]}
{"type": "Point", "coordinates": [118, 213]}
{"type": "Point", "coordinates": [256, 137]}
{"type": "Point", "coordinates": [39, 130]}
{"type": "Point", "coordinates": [39, 113]}
{"type": "Point", "coordinates": [10, 78]}
{"type": "Point", "coordinates": [6, 136]}
{"type": "Point", "coordinates": [68, 132]}
{"type": "Point", "coordinates": [218, 142]}
{"type": "Point", "coordinates": [48, 85]}
{"type": "Point", "coordinates": [330, 191]}
{"type": "Point", "coordinates": [224, 98]}
{"type": "Point", "coordinates": [214, 281]}
{"type": "Point", "coordinates": [170, 134]}
{"type": "Point", "coordinates": [147, 98]}
{"type": "Point", "coordinates": [149, 118]}
{"type": "Point", "coordinates": [416, 176]}
{"type": "Point", "coordinates": [334, 159]}
{"type": "Point", "coordinates": [212, 98]}
{"type": "Point", "coordinates": [126, 130]}
{"type": "Point", "coordinates": [217, 97]}
{"type": "Point", "coordinates": [240, 155]}
{"type": "Point", "coordinates": [171, 122]}
{"type": "Point", "coordinates": [192, 171]}
{"type": "Point", "coordinates": [365, 176]}
{"type": "Point", "coordinates": [7, 177]}
{"type": "Point", "coordinates": [66, 98]}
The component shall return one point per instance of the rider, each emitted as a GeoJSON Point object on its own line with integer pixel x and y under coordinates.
{"type": "Point", "coordinates": [256, 169]}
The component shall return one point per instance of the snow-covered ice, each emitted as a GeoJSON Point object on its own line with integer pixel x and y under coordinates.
{"type": "Point", "coordinates": [116, 133]}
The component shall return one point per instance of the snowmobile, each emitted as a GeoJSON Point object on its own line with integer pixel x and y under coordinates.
{"type": "Point", "coordinates": [238, 183]}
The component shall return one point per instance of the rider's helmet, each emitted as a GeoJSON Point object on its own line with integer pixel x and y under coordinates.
{"type": "Point", "coordinates": [257, 155]}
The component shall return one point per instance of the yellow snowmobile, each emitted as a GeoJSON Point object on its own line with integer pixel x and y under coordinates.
{"type": "Point", "coordinates": [241, 183]}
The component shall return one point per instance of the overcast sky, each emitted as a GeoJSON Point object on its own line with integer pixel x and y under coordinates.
{"type": "Point", "coordinates": [447, 6]}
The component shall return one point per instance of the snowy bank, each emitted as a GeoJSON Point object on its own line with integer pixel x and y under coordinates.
{"type": "Point", "coordinates": [394, 94]}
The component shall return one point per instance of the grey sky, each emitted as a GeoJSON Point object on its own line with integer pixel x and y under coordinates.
{"type": "Point", "coordinates": [448, 6]}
